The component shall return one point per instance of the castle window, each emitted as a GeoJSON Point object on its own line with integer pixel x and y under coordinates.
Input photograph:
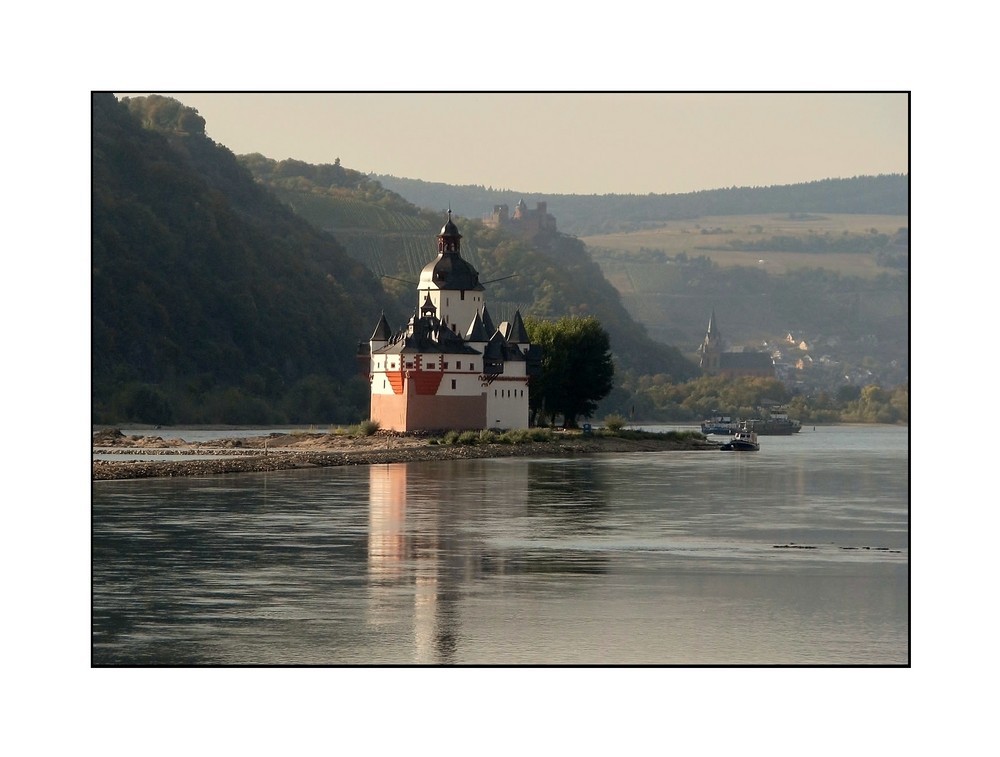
{"type": "Point", "coordinates": [458, 365]}
{"type": "Point", "coordinates": [453, 383]}
{"type": "Point", "coordinates": [446, 366]}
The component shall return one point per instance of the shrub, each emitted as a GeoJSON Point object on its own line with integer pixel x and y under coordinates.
{"type": "Point", "coordinates": [525, 435]}
{"type": "Point", "coordinates": [614, 423]}
{"type": "Point", "coordinates": [368, 427]}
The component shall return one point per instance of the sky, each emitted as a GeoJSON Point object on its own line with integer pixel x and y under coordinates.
{"type": "Point", "coordinates": [572, 142]}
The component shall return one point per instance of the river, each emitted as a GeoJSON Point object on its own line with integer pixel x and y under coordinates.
{"type": "Point", "coordinates": [794, 555]}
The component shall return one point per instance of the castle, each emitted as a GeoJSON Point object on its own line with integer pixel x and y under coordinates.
{"type": "Point", "coordinates": [715, 362]}
{"type": "Point", "coordinates": [450, 367]}
{"type": "Point", "coordinates": [525, 223]}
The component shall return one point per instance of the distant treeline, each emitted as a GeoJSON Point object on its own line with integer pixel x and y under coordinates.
{"type": "Point", "coordinates": [584, 215]}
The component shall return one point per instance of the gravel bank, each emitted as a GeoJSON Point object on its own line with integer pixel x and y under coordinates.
{"type": "Point", "coordinates": [286, 452]}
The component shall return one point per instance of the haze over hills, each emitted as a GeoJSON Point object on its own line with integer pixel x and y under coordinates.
{"type": "Point", "coordinates": [825, 262]}
{"type": "Point", "coordinates": [586, 215]}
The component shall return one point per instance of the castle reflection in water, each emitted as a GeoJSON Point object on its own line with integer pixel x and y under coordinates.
{"type": "Point", "coordinates": [431, 536]}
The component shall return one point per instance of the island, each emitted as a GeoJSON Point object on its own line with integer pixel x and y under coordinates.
{"type": "Point", "coordinates": [276, 451]}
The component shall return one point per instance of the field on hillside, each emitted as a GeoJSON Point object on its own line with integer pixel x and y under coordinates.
{"type": "Point", "coordinates": [710, 235]}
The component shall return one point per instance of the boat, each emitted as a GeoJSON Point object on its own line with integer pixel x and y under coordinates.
{"type": "Point", "coordinates": [743, 440]}
{"type": "Point", "coordinates": [722, 425]}
{"type": "Point", "coordinates": [778, 424]}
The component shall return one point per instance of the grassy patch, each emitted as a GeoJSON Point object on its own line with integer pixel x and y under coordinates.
{"type": "Point", "coordinates": [636, 435]}
{"type": "Point", "coordinates": [365, 428]}
{"type": "Point", "coordinates": [514, 436]}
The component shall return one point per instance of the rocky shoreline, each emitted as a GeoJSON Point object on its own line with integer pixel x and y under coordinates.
{"type": "Point", "coordinates": [293, 451]}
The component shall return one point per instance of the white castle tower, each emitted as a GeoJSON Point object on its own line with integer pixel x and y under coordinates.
{"type": "Point", "coordinates": [450, 368]}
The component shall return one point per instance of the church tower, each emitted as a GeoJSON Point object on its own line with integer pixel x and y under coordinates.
{"type": "Point", "coordinates": [711, 348]}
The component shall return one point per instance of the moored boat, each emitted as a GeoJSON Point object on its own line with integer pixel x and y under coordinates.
{"type": "Point", "coordinates": [743, 440]}
{"type": "Point", "coordinates": [722, 425]}
{"type": "Point", "coordinates": [777, 424]}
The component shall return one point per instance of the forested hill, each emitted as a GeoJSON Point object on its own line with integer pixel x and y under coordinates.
{"type": "Point", "coordinates": [211, 300]}
{"type": "Point", "coordinates": [550, 276]}
{"type": "Point", "coordinates": [230, 290]}
{"type": "Point", "coordinates": [584, 215]}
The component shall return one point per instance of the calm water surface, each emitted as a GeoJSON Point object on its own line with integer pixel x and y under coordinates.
{"type": "Point", "coordinates": [797, 554]}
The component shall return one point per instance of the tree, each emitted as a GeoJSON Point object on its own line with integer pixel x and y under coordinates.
{"type": "Point", "coordinates": [577, 369]}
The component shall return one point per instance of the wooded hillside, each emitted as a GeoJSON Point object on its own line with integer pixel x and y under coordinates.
{"type": "Point", "coordinates": [211, 300]}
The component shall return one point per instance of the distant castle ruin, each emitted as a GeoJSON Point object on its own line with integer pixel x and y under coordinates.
{"type": "Point", "coordinates": [525, 223]}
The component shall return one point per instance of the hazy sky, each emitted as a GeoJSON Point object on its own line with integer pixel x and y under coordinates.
{"type": "Point", "coordinates": [572, 143]}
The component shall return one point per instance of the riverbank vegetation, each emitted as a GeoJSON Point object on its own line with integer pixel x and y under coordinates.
{"type": "Point", "coordinates": [657, 398]}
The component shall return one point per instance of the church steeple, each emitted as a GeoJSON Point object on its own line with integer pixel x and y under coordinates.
{"type": "Point", "coordinates": [713, 330]}
{"type": "Point", "coordinates": [711, 347]}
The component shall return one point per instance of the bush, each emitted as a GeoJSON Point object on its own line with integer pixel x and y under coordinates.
{"type": "Point", "coordinates": [489, 436]}
{"type": "Point", "coordinates": [469, 437]}
{"type": "Point", "coordinates": [614, 422]}
{"type": "Point", "coordinates": [525, 435]}
{"type": "Point", "coordinates": [368, 427]}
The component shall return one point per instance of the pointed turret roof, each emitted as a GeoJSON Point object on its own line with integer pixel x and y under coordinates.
{"type": "Point", "coordinates": [518, 334]}
{"type": "Point", "coordinates": [487, 321]}
{"type": "Point", "coordinates": [382, 331]}
{"type": "Point", "coordinates": [477, 331]}
{"type": "Point", "coordinates": [428, 308]}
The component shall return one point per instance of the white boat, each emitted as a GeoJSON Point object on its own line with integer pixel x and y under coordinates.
{"type": "Point", "coordinates": [743, 440]}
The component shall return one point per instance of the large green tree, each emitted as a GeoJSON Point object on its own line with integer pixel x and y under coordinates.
{"type": "Point", "coordinates": [577, 369]}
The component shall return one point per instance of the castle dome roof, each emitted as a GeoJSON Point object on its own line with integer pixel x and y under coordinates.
{"type": "Point", "coordinates": [449, 270]}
